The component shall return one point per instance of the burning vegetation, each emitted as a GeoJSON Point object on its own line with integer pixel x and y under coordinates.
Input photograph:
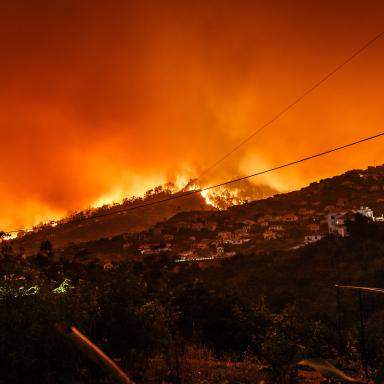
{"type": "Point", "coordinates": [244, 192]}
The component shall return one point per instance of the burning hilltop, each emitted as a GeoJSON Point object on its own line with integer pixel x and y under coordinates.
{"type": "Point", "coordinates": [125, 217]}
{"type": "Point", "coordinates": [244, 192]}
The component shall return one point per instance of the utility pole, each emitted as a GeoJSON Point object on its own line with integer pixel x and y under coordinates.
{"type": "Point", "coordinates": [363, 348]}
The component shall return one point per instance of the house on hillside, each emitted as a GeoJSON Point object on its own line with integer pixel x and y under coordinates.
{"type": "Point", "coordinates": [313, 227]}
{"type": "Point", "coordinates": [271, 235]}
{"type": "Point", "coordinates": [367, 212]}
{"type": "Point", "coordinates": [108, 265]}
{"type": "Point", "coordinates": [144, 246]}
{"type": "Point", "coordinates": [337, 224]}
{"type": "Point", "coordinates": [187, 255]}
{"type": "Point", "coordinates": [263, 223]}
{"type": "Point", "coordinates": [248, 222]}
{"type": "Point", "coordinates": [225, 235]}
{"type": "Point", "coordinates": [242, 232]}
{"type": "Point", "coordinates": [147, 252]}
{"type": "Point", "coordinates": [309, 239]}
{"type": "Point", "coordinates": [306, 212]}
{"type": "Point", "coordinates": [276, 228]}
{"type": "Point", "coordinates": [289, 217]}
{"type": "Point", "coordinates": [202, 245]}
{"type": "Point", "coordinates": [265, 218]}
{"type": "Point", "coordinates": [235, 241]}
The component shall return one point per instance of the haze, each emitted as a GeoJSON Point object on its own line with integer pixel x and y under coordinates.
{"type": "Point", "coordinates": [103, 100]}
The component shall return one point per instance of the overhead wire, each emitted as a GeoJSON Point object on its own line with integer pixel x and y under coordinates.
{"type": "Point", "coordinates": [292, 104]}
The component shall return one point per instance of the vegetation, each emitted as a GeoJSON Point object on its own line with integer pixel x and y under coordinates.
{"type": "Point", "coordinates": [273, 309]}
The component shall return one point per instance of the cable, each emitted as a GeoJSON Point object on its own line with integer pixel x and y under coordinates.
{"type": "Point", "coordinates": [291, 105]}
{"type": "Point", "coordinates": [199, 190]}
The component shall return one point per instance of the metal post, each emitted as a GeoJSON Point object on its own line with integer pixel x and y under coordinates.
{"type": "Point", "coordinates": [364, 357]}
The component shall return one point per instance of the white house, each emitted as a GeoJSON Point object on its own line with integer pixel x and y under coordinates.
{"type": "Point", "coordinates": [312, 238]}
{"type": "Point", "coordinates": [367, 212]}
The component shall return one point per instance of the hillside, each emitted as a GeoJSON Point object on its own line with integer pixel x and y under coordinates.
{"type": "Point", "coordinates": [276, 223]}
{"type": "Point", "coordinates": [191, 227]}
{"type": "Point", "coordinates": [75, 229]}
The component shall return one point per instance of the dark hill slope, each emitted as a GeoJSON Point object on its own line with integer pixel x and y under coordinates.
{"type": "Point", "coordinates": [75, 229]}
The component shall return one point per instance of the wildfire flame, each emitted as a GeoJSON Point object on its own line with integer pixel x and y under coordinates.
{"type": "Point", "coordinates": [223, 198]}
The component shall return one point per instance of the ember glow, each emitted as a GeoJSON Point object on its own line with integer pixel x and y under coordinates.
{"type": "Point", "coordinates": [99, 102]}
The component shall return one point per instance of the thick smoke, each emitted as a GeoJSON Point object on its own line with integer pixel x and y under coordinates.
{"type": "Point", "coordinates": [98, 100]}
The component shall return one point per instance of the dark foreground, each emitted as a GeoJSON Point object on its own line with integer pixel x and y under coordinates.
{"type": "Point", "coordinates": [248, 320]}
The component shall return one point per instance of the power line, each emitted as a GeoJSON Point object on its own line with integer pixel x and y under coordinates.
{"type": "Point", "coordinates": [291, 105]}
{"type": "Point", "coordinates": [199, 190]}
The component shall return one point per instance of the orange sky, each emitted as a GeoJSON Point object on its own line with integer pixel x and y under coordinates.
{"type": "Point", "coordinates": [100, 100]}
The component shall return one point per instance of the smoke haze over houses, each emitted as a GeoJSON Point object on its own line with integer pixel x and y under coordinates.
{"type": "Point", "coordinates": [101, 101]}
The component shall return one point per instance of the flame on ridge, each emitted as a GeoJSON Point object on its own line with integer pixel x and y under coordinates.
{"type": "Point", "coordinates": [223, 198]}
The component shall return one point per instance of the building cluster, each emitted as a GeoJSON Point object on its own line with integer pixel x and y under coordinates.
{"type": "Point", "coordinates": [216, 247]}
{"type": "Point", "coordinates": [199, 238]}
{"type": "Point", "coordinates": [205, 240]}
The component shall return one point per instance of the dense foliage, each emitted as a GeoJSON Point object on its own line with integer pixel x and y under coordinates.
{"type": "Point", "coordinates": [277, 308]}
